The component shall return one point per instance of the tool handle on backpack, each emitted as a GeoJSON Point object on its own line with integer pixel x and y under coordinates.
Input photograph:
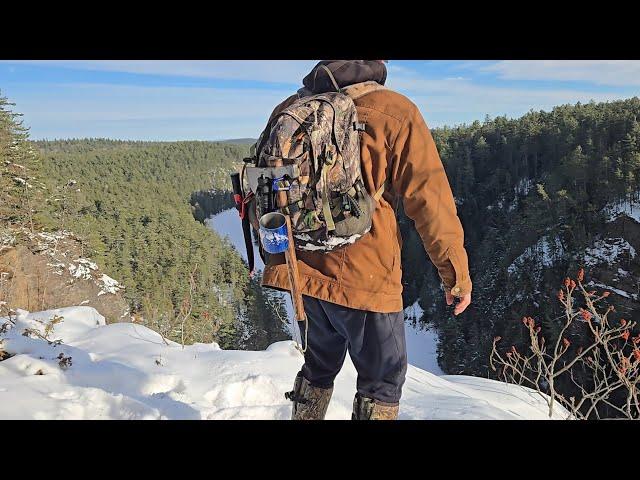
{"type": "Point", "coordinates": [241, 206]}
{"type": "Point", "coordinates": [292, 260]}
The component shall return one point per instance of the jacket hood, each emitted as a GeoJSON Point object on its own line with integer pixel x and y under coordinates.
{"type": "Point", "coordinates": [345, 72]}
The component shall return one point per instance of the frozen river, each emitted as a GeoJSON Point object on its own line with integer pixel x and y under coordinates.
{"type": "Point", "coordinates": [421, 344]}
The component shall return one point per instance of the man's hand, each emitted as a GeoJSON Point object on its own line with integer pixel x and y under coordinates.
{"type": "Point", "coordinates": [462, 304]}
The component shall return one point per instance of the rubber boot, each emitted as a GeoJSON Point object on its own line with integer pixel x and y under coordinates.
{"type": "Point", "coordinates": [309, 403]}
{"type": "Point", "coordinates": [365, 408]}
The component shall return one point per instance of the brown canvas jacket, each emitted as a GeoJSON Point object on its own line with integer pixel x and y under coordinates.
{"type": "Point", "coordinates": [397, 145]}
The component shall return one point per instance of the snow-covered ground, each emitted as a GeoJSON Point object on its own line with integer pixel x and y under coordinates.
{"type": "Point", "coordinates": [545, 252]}
{"type": "Point", "coordinates": [421, 343]}
{"type": "Point", "coordinates": [622, 293]}
{"type": "Point", "coordinates": [623, 207]}
{"type": "Point", "coordinates": [549, 249]}
{"type": "Point", "coordinates": [85, 369]}
{"type": "Point", "coordinates": [609, 251]}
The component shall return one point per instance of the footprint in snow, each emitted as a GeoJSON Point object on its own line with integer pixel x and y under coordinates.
{"type": "Point", "coordinates": [163, 384]}
{"type": "Point", "coordinates": [252, 390]}
{"type": "Point", "coordinates": [68, 395]}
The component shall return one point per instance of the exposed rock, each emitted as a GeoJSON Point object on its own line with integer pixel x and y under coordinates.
{"type": "Point", "coordinates": [48, 270]}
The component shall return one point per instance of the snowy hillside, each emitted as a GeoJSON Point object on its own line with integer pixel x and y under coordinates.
{"type": "Point", "coordinates": [68, 364]}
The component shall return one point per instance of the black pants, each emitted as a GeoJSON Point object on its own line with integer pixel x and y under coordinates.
{"type": "Point", "coordinates": [375, 341]}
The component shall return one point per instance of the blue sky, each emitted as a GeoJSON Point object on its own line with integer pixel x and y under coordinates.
{"type": "Point", "coordinates": [213, 100]}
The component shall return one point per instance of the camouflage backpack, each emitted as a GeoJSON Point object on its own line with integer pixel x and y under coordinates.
{"type": "Point", "coordinates": [316, 143]}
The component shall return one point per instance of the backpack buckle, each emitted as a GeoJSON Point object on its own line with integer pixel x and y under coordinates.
{"type": "Point", "coordinates": [346, 204]}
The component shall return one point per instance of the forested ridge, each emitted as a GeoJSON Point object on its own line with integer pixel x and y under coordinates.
{"type": "Point", "coordinates": [130, 202]}
{"type": "Point", "coordinates": [539, 196]}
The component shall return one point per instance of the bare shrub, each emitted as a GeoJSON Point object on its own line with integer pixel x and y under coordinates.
{"type": "Point", "coordinates": [597, 357]}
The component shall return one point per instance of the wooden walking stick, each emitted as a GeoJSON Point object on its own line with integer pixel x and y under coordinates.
{"type": "Point", "coordinates": [291, 259]}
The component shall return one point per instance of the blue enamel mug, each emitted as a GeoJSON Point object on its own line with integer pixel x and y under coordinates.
{"type": "Point", "coordinates": [273, 232]}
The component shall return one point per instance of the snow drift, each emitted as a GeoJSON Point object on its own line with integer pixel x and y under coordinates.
{"type": "Point", "coordinates": [68, 364]}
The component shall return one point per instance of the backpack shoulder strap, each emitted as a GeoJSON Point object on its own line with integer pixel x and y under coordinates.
{"type": "Point", "coordinates": [358, 90]}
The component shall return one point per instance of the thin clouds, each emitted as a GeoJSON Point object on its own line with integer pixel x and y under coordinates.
{"type": "Point", "coordinates": [269, 71]}
{"type": "Point", "coordinates": [619, 73]}
{"type": "Point", "coordinates": [456, 100]}
{"type": "Point", "coordinates": [139, 112]}
{"type": "Point", "coordinates": [167, 108]}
